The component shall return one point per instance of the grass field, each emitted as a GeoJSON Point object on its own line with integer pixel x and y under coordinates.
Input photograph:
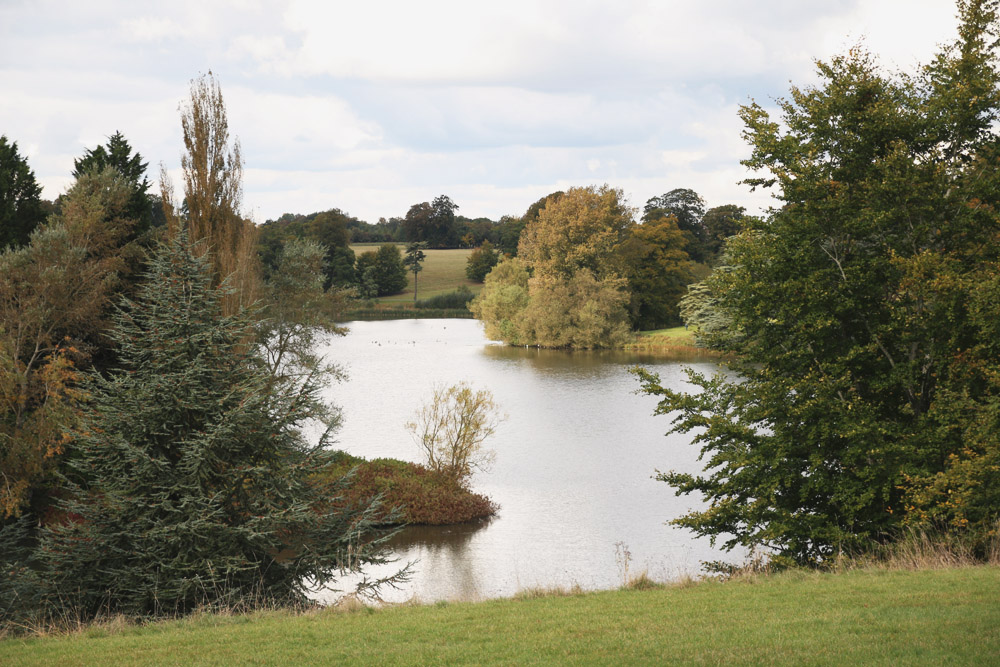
{"type": "Point", "coordinates": [880, 617]}
{"type": "Point", "coordinates": [676, 335]}
{"type": "Point", "coordinates": [444, 271]}
{"type": "Point", "coordinates": [672, 342]}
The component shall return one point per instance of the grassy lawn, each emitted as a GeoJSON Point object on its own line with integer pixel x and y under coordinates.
{"type": "Point", "coordinates": [673, 341]}
{"type": "Point", "coordinates": [930, 617]}
{"type": "Point", "coordinates": [444, 271]}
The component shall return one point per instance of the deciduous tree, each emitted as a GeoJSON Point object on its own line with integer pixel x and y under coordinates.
{"type": "Point", "coordinates": [481, 261]}
{"type": "Point", "coordinates": [580, 312]}
{"type": "Point", "coordinates": [502, 301]}
{"type": "Point", "coordinates": [582, 229]}
{"type": "Point", "coordinates": [688, 208]}
{"type": "Point", "coordinates": [577, 293]}
{"type": "Point", "coordinates": [721, 222]}
{"type": "Point", "coordinates": [54, 301]}
{"type": "Point", "coordinates": [213, 194]}
{"type": "Point", "coordinates": [451, 428]}
{"type": "Point", "coordinates": [384, 267]}
{"type": "Point", "coordinates": [862, 306]}
{"type": "Point", "coordinates": [658, 270]}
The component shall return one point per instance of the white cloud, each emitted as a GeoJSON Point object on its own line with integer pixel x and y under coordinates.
{"type": "Point", "coordinates": [153, 29]}
{"type": "Point", "coordinates": [375, 106]}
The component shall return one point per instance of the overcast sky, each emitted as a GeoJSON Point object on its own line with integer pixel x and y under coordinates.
{"type": "Point", "coordinates": [373, 106]}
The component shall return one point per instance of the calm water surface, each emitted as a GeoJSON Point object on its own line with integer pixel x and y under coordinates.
{"type": "Point", "coordinates": [573, 468]}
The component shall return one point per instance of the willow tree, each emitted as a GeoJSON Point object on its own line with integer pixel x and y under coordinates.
{"type": "Point", "coordinates": [213, 194]}
{"type": "Point", "coordinates": [577, 295]}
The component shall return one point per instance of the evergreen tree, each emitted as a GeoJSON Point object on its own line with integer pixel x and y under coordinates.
{"type": "Point", "coordinates": [20, 197]}
{"type": "Point", "coordinates": [195, 484]}
{"type": "Point", "coordinates": [414, 262]}
{"type": "Point", "coordinates": [118, 155]}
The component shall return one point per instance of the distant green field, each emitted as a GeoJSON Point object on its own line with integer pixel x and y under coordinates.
{"type": "Point", "coordinates": [680, 335]}
{"type": "Point", "coordinates": [444, 271]}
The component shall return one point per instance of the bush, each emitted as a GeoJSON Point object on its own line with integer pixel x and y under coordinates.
{"type": "Point", "coordinates": [423, 495]}
{"type": "Point", "coordinates": [481, 262]}
{"type": "Point", "coordinates": [460, 298]}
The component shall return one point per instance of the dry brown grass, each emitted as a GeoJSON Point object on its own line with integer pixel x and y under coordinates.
{"type": "Point", "coordinates": [919, 550]}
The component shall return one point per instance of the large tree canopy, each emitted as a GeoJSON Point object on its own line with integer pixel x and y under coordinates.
{"type": "Point", "coordinates": [432, 223]}
{"type": "Point", "coordinates": [688, 208]}
{"type": "Point", "coordinates": [658, 270]}
{"type": "Point", "coordinates": [382, 269]}
{"type": "Point", "coordinates": [865, 312]}
{"type": "Point", "coordinates": [328, 228]}
{"type": "Point", "coordinates": [582, 229]}
{"type": "Point", "coordinates": [54, 306]}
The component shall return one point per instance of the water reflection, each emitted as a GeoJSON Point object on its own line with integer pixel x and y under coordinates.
{"type": "Point", "coordinates": [445, 555]}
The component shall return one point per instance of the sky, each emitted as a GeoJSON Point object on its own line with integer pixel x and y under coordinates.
{"type": "Point", "coordinates": [371, 107]}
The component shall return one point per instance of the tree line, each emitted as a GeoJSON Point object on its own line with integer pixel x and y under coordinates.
{"type": "Point", "coordinates": [654, 290]}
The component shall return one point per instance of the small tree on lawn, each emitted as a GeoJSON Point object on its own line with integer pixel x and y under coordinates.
{"type": "Point", "coordinates": [451, 428]}
{"type": "Point", "coordinates": [413, 260]}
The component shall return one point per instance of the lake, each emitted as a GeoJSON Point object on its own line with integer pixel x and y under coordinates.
{"type": "Point", "coordinates": [574, 459]}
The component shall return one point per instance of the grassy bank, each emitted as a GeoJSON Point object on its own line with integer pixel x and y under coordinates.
{"type": "Point", "coordinates": [672, 342]}
{"type": "Point", "coordinates": [396, 313]}
{"type": "Point", "coordinates": [947, 616]}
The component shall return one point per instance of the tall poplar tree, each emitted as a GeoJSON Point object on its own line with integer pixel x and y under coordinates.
{"type": "Point", "coordinates": [213, 194]}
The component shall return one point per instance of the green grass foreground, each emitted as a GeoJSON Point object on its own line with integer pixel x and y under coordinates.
{"type": "Point", "coordinates": [948, 616]}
